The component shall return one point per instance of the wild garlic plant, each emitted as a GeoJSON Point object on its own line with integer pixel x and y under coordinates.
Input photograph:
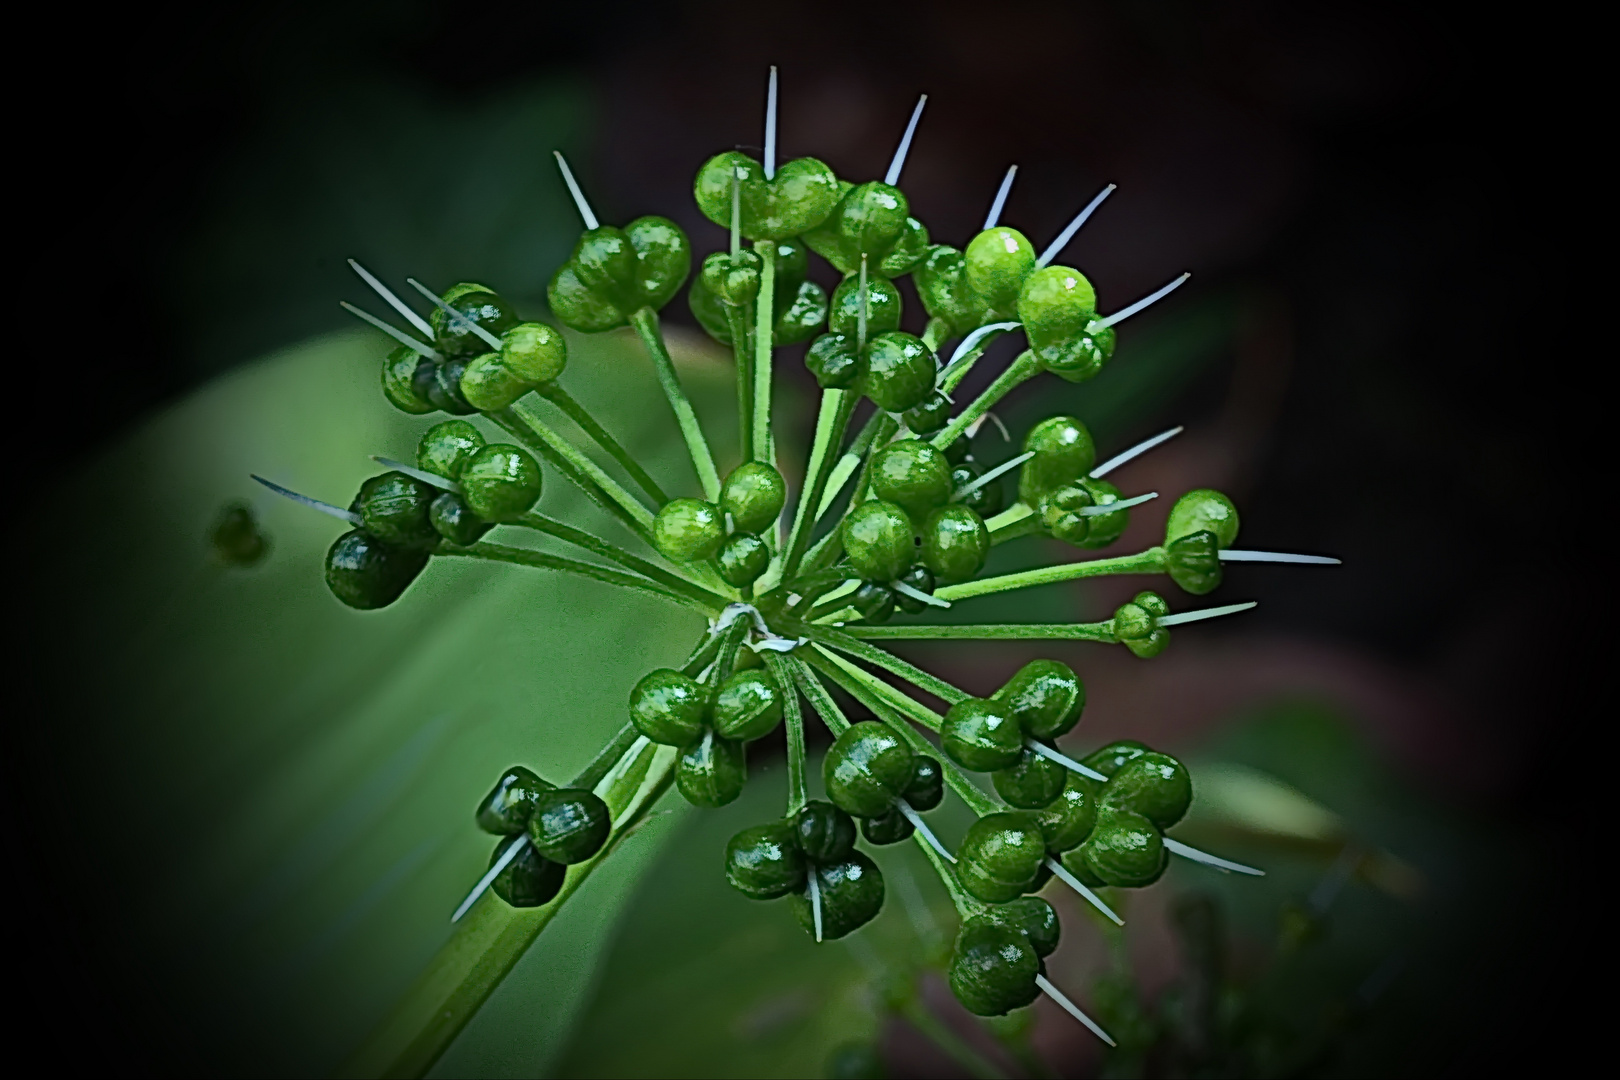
{"type": "Point", "coordinates": [892, 514]}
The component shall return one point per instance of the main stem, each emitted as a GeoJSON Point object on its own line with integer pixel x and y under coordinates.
{"type": "Point", "coordinates": [646, 323]}
{"type": "Point", "coordinates": [764, 325]}
{"type": "Point", "coordinates": [737, 318]}
{"type": "Point", "coordinates": [559, 397]}
{"type": "Point", "coordinates": [782, 672]}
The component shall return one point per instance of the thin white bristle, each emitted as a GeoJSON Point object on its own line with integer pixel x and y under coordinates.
{"type": "Point", "coordinates": [918, 595]}
{"type": "Point", "coordinates": [421, 474]}
{"type": "Point", "coordinates": [488, 338]}
{"type": "Point", "coordinates": [973, 339]}
{"type": "Point", "coordinates": [573, 189]}
{"type": "Point", "coordinates": [1206, 613]}
{"type": "Point", "coordinates": [1121, 504]}
{"type": "Point", "coordinates": [395, 302]}
{"type": "Point", "coordinates": [398, 335]}
{"type": "Point", "coordinates": [1071, 1008]}
{"type": "Point", "coordinates": [770, 127]}
{"type": "Point", "coordinates": [815, 903]}
{"type": "Point", "coordinates": [860, 313]}
{"type": "Point", "coordinates": [923, 830]}
{"type": "Point", "coordinates": [1207, 859]}
{"type": "Point", "coordinates": [1067, 762]}
{"type": "Point", "coordinates": [1140, 448]}
{"type": "Point", "coordinates": [489, 878]}
{"type": "Point", "coordinates": [1121, 316]}
{"type": "Point", "coordinates": [314, 504]}
{"type": "Point", "coordinates": [1279, 557]}
{"type": "Point", "coordinates": [1005, 466]}
{"type": "Point", "coordinates": [892, 177]}
{"type": "Point", "coordinates": [994, 215]}
{"type": "Point", "coordinates": [1063, 238]}
{"type": "Point", "coordinates": [1062, 873]}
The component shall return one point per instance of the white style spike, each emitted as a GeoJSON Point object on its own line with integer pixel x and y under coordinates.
{"type": "Point", "coordinates": [770, 126]}
{"type": "Point", "coordinates": [1061, 872]}
{"type": "Point", "coordinates": [398, 335]}
{"type": "Point", "coordinates": [1005, 466]}
{"type": "Point", "coordinates": [488, 338]}
{"type": "Point", "coordinates": [573, 189]}
{"type": "Point", "coordinates": [994, 215]}
{"type": "Point", "coordinates": [1055, 248]}
{"type": "Point", "coordinates": [918, 595]}
{"type": "Point", "coordinates": [1178, 848]}
{"type": "Point", "coordinates": [1067, 762]}
{"type": "Point", "coordinates": [395, 302]}
{"type": "Point", "coordinates": [1206, 613]}
{"type": "Point", "coordinates": [923, 830]}
{"type": "Point", "coordinates": [1122, 315]}
{"type": "Point", "coordinates": [1140, 448]}
{"type": "Point", "coordinates": [1278, 556]}
{"type": "Point", "coordinates": [892, 177]}
{"type": "Point", "coordinates": [1071, 1008]}
{"type": "Point", "coordinates": [314, 504]}
{"type": "Point", "coordinates": [420, 474]}
{"type": "Point", "coordinates": [1121, 504]}
{"type": "Point", "coordinates": [489, 878]}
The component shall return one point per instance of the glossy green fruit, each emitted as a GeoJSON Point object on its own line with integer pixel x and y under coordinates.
{"type": "Point", "coordinates": [1103, 529]}
{"type": "Point", "coordinates": [689, 530]}
{"type": "Point", "coordinates": [996, 264]}
{"type": "Point", "coordinates": [479, 303]}
{"type": "Point", "coordinates": [395, 508]}
{"type": "Point", "coordinates": [835, 362]}
{"type": "Point", "coordinates": [930, 415]}
{"type": "Point", "coordinates": [569, 825]}
{"type": "Point", "coordinates": [440, 383]}
{"type": "Point", "coordinates": [1067, 820]}
{"type": "Point", "coordinates": [753, 495]}
{"type": "Point", "coordinates": [734, 279]}
{"type": "Point", "coordinates": [993, 967]}
{"type": "Point", "coordinates": [875, 602]}
{"type": "Point", "coordinates": [873, 220]}
{"type": "Point", "coordinates": [1031, 783]}
{"type": "Point", "coordinates": [742, 558]}
{"type": "Point", "coordinates": [669, 707]}
{"type": "Point", "coordinates": [454, 520]}
{"type": "Point", "coordinates": [1057, 305]}
{"type": "Point", "coordinates": [530, 879]}
{"type": "Point", "coordinates": [366, 573]}
{"type": "Point", "coordinates": [982, 735]}
{"type": "Point", "coordinates": [798, 198]}
{"type": "Point", "coordinates": [1136, 624]}
{"type": "Point", "coordinates": [505, 811]}
{"type": "Point", "coordinates": [763, 863]}
{"type": "Point", "coordinates": [1060, 516]}
{"type": "Point", "coordinates": [851, 896]}
{"type": "Point", "coordinates": [531, 353]}
{"type": "Point", "coordinates": [955, 543]}
{"type": "Point", "coordinates": [890, 828]}
{"type": "Point", "coordinates": [1155, 785]}
{"type": "Point", "coordinates": [1032, 917]}
{"type": "Point", "coordinates": [613, 273]}
{"type": "Point", "coordinates": [748, 706]}
{"type": "Point", "coordinates": [501, 482]}
{"type": "Point", "coordinates": [712, 771]}
{"type": "Point", "coordinates": [867, 768]}
{"type": "Point", "coordinates": [799, 306]}
{"type": "Point", "coordinates": [445, 448]}
{"type": "Point", "coordinates": [942, 285]}
{"type": "Point", "coordinates": [878, 540]}
{"type": "Point", "coordinates": [1125, 849]}
{"type": "Point", "coordinates": [1109, 759]}
{"type": "Point", "coordinates": [913, 475]}
{"type": "Point", "coordinates": [986, 499]}
{"type": "Point", "coordinates": [1203, 510]}
{"type": "Point", "coordinates": [883, 308]}
{"type": "Point", "coordinates": [1046, 697]}
{"type": "Point", "coordinates": [1064, 451]}
{"type": "Point", "coordinates": [1000, 856]}
{"type": "Point", "coordinates": [1194, 562]}
{"type": "Point", "coordinates": [919, 579]}
{"type": "Point", "coordinates": [399, 381]}
{"type": "Point", "coordinates": [900, 371]}
{"type": "Point", "coordinates": [235, 537]}
{"type": "Point", "coordinates": [823, 832]}
{"type": "Point", "coordinates": [927, 787]}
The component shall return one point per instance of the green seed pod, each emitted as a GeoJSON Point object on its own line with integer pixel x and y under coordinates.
{"type": "Point", "coordinates": [890, 828]}
{"type": "Point", "coordinates": [394, 508]}
{"type": "Point", "coordinates": [800, 306]}
{"type": "Point", "coordinates": [733, 278]}
{"type": "Point", "coordinates": [1056, 306]}
{"type": "Point", "coordinates": [1103, 529]}
{"type": "Point", "coordinates": [1064, 452]}
{"type": "Point", "coordinates": [531, 354]}
{"type": "Point", "coordinates": [1032, 917]}
{"type": "Point", "coordinates": [797, 199]}
{"type": "Point", "coordinates": [753, 495]}
{"type": "Point", "coordinates": [501, 482]}
{"type": "Point", "coordinates": [1136, 626]}
{"type": "Point", "coordinates": [823, 832]}
{"type": "Point", "coordinates": [453, 337]}
{"type": "Point", "coordinates": [908, 252]}
{"type": "Point", "coordinates": [507, 808]}
{"type": "Point", "coordinates": [913, 475]}
{"type": "Point", "coordinates": [399, 381]}
{"type": "Point", "coordinates": [530, 879]}
{"type": "Point", "coordinates": [1155, 785]}
{"type": "Point", "coordinates": [867, 768]}
{"type": "Point", "coordinates": [689, 530]}
{"type": "Point", "coordinates": [1031, 783]}
{"type": "Point", "coordinates": [987, 499]}
{"type": "Point", "coordinates": [1194, 562]}
{"type": "Point", "coordinates": [446, 447]}
{"type": "Point", "coordinates": [996, 264]}
{"type": "Point", "coordinates": [883, 306]}
{"type": "Point", "coordinates": [871, 220]}
{"type": "Point", "coordinates": [942, 286]}
{"type": "Point", "coordinates": [875, 602]}
{"type": "Point", "coordinates": [1111, 758]}
{"type": "Point", "coordinates": [803, 317]}
{"type": "Point", "coordinates": [236, 538]}
{"type": "Point", "coordinates": [900, 371]}
{"type": "Point", "coordinates": [851, 896]}
{"type": "Point", "coordinates": [993, 967]}
{"type": "Point", "coordinates": [748, 706]}
{"type": "Point", "coordinates": [712, 771]}
{"type": "Point", "coordinates": [1078, 360]}
{"type": "Point", "coordinates": [955, 543]}
{"type": "Point", "coordinates": [669, 707]}
{"type": "Point", "coordinates": [366, 573]}
{"type": "Point", "coordinates": [1000, 856]}
{"type": "Point", "coordinates": [614, 273]}
{"type": "Point", "coordinates": [834, 361]}
{"type": "Point", "coordinates": [1046, 697]}
{"type": "Point", "coordinates": [878, 540]}
{"type": "Point", "coordinates": [1059, 511]}
{"type": "Point", "coordinates": [454, 520]}
{"type": "Point", "coordinates": [440, 383]}
{"type": "Point", "coordinates": [743, 557]}
{"type": "Point", "coordinates": [1125, 849]}
{"type": "Point", "coordinates": [762, 862]}
{"type": "Point", "coordinates": [1203, 510]}
{"type": "Point", "coordinates": [931, 415]}
{"type": "Point", "coordinates": [982, 735]}
{"type": "Point", "coordinates": [919, 578]}
{"type": "Point", "coordinates": [569, 825]}
{"type": "Point", "coordinates": [927, 787]}
{"type": "Point", "coordinates": [1067, 820]}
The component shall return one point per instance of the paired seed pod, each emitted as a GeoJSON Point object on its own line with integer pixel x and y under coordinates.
{"type": "Point", "coordinates": [999, 953]}
{"type": "Point", "coordinates": [799, 307]}
{"type": "Point", "coordinates": [1042, 701]}
{"type": "Point", "coordinates": [896, 370]}
{"type": "Point", "coordinates": [1146, 793]}
{"type": "Point", "coordinates": [797, 199]}
{"type": "Point", "coordinates": [1136, 625]}
{"type": "Point", "coordinates": [691, 530]}
{"type": "Point", "coordinates": [614, 273]}
{"type": "Point", "coordinates": [873, 221]}
{"type": "Point", "coordinates": [1201, 524]}
{"type": "Point", "coordinates": [1058, 308]}
{"type": "Point", "coordinates": [870, 769]}
{"type": "Point", "coordinates": [421, 384]}
{"type": "Point", "coordinates": [1056, 485]}
{"type": "Point", "coordinates": [563, 826]}
{"type": "Point", "coordinates": [711, 727]}
{"type": "Point", "coordinates": [779, 859]}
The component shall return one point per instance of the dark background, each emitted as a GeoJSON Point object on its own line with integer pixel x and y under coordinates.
{"type": "Point", "coordinates": [1362, 177]}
